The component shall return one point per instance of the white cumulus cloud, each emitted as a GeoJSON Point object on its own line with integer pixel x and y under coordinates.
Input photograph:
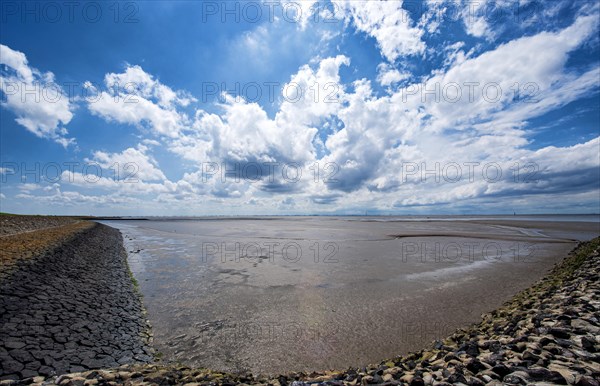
{"type": "Point", "coordinates": [387, 22]}
{"type": "Point", "coordinates": [135, 97]}
{"type": "Point", "coordinates": [40, 104]}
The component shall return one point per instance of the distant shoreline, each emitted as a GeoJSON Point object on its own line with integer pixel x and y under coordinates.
{"type": "Point", "coordinates": [593, 218]}
{"type": "Point", "coordinates": [267, 216]}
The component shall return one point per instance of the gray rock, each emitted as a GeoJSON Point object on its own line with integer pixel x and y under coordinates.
{"type": "Point", "coordinates": [46, 370]}
{"type": "Point", "coordinates": [516, 378]}
{"type": "Point", "coordinates": [28, 373]}
{"type": "Point", "coordinates": [587, 381]}
{"type": "Point", "coordinates": [475, 366]}
{"type": "Point", "coordinates": [501, 370]}
{"type": "Point", "coordinates": [560, 333]}
{"type": "Point", "coordinates": [76, 369]}
{"type": "Point", "coordinates": [21, 355]}
{"type": "Point", "coordinates": [125, 360]}
{"type": "Point", "coordinates": [14, 344]}
{"type": "Point", "coordinates": [11, 366]}
{"type": "Point", "coordinates": [10, 377]}
{"type": "Point", "coordinates": [588, 344]}
{"type": "Point", "coordinates": [93, 363]}
{"type": "Point", "coordinates": [417, 381]}
{"type": "Point", "coordinates": [542, 374]}
{"type": "Point", "coordinates": [35, 365]}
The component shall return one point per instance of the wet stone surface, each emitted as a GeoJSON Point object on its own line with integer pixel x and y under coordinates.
{"type": "Point", "coordinates": [72, 309]}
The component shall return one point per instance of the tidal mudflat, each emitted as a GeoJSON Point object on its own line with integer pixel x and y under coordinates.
{"type": "Point", "coordinates": [273, 295]}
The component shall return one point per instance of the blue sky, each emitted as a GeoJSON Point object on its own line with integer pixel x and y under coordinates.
{"type": "Point", "coordinates": [300, 107]}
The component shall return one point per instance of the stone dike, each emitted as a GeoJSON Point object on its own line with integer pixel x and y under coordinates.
{"type": "Point", "coordinates": [70, 305]}
{"type": "Point", "coordinates": [13, 224]}
{"type": "Point", "coordinates": [23, 240]}
{"type": "Point", "coordinates": [75, 310]}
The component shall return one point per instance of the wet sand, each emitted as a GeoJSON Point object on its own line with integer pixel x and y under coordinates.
{"type": "Point", "coordinates": [236, 295]}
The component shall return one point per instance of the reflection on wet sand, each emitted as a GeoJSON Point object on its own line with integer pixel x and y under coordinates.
{"type": "Point", "coordinates": [291, 294]}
